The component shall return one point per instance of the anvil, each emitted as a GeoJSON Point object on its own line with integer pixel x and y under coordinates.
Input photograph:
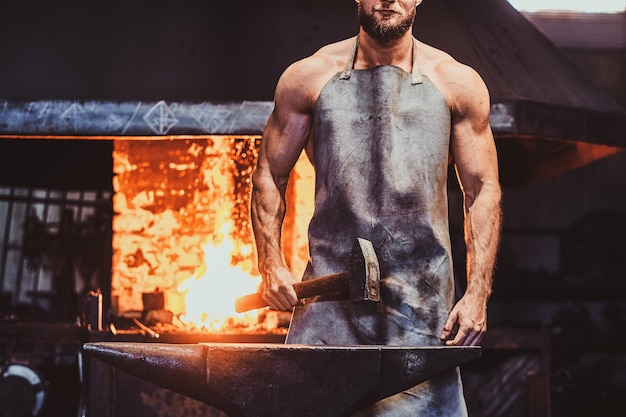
{"type": "Point", "coordinates": [282, 380]}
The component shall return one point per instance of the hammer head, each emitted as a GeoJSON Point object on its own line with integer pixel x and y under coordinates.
{"type": "Point", "coordinates": [364, 273]}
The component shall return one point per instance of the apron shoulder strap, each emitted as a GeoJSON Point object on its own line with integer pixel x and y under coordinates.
{"type": "Point", "coordinates": [416, 74]}
{"type": "Point", "coordinates": [347, 70]}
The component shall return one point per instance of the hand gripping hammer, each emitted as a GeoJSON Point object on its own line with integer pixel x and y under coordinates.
{"type": "Point", "coordinates": [361, 282]}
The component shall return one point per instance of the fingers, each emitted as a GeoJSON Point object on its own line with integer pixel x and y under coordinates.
{"type": "Point", "coordinates": [462, 331]}
{"type": "Point", "coordinates": [466, 335]}
{"type": "Point", "coordinates": [280, 297]}
{"type": "Point", "coordinates": [277, 290]}
{"type": "Point", "coordinates": [476, 335]}
{"type": "Point", "coordinates": [450, 328]}
{"type": "Point", "coordinates": [284, 298]}
{"type": "Point", "coordinates": [453, 328]}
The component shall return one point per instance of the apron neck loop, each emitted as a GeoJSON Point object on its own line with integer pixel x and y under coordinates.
{"type": "Point", "coordinates": [347, 71]}
{"type": "Point", "coordinates": [416, 74]}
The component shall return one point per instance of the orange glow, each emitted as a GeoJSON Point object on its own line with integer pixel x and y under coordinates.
{"type": "Point", "coordinates": [182, 226]}
{"type": "Point", "coordinates": [211, 292]}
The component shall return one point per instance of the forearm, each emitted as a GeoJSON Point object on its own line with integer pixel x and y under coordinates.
{"type": "Point", "coordinates": [483, 218]}
{"type": "Point", "coordinates": [268, 212]}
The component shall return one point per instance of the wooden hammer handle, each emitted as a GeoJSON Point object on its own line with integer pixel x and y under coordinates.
{"type": "Point", "coordinates": [333, 283]}
{"type": "Point", "coordinates": [249, 302]}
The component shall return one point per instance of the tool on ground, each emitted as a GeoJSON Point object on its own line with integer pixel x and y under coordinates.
{"type": "Point", "coordinates": [361, 282]}
{"type": "Point", "coordinates": [278, 380]}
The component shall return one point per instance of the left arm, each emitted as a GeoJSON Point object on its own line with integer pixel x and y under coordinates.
{"type": "Point", "coordinates": [474, 155]}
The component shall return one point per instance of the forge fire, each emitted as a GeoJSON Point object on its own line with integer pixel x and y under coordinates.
{"type": "Point", "coordinates": [181, 229]}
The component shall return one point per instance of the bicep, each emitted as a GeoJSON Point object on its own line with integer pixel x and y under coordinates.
{"type": "Point", "coordinates": [283, 140]}
{"type": "Point", "coordinates": [473, 147]}
{"type": "Point", "coordinates": [475, 160]}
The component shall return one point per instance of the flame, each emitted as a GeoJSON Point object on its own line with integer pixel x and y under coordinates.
{"type": "Point", "coordinates": [211, 291]}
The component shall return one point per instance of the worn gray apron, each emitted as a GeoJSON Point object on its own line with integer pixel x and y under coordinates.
{"type": "Point", "coordinates": [381, 157]}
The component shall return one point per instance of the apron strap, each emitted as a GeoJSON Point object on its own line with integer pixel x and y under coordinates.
{"type": "Point", "coordinates": [347, 70]}
{"type": "Point", "coordinates": [416, 74]}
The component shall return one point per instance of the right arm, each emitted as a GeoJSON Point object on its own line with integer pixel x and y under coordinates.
{"type": "Point", "coordinates": [284, 138]}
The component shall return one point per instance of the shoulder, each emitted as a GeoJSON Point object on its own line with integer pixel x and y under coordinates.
{"type": "Point", "coordinates": [462, 86]}
{"type": "Point", "coordinates": [306, 78]}
{"type": "Point", "coordinates": [330, 58]}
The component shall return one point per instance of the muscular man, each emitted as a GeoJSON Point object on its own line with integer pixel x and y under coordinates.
{"type": "Point", "coordinates": [381, 116]}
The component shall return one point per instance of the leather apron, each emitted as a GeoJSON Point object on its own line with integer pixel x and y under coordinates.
{"type": "Point", "coordinates": [381, 152]}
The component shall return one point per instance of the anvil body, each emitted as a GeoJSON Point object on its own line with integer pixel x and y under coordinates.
{"type": "Point", "coordinates": [275, 380]}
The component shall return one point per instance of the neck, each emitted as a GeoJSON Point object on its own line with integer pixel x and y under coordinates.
{"type": "Point", "coordinates": [372, 52]}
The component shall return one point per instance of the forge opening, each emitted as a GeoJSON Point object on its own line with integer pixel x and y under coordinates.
{"type": "Point", "coordinates": [181, 226]}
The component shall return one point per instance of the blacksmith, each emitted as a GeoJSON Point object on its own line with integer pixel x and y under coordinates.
{"type": "Point", "coordinates": [382, 116]}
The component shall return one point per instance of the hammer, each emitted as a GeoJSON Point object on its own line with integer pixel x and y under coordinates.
{"type": "Point", "coordinates": [361, 282]}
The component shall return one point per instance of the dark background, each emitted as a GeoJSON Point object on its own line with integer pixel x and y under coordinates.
{"type": "Point", "coordinates": [148, 50]}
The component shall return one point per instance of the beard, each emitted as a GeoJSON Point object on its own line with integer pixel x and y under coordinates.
{"type": "Point", "coordinates": [384, 30]}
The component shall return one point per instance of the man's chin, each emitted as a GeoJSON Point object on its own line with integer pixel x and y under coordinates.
{"type": "Point", "coordinates": [386, 28]}
{"type": "Point", "coordinates": [388, 35]}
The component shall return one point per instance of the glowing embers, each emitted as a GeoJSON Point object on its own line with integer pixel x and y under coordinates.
{"type": "Point", "coordinates": [182, 232]}
{"type": "Point", "coordinates": [173, 197]}
{"type": "Point", "coordinates": [210, 293]}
